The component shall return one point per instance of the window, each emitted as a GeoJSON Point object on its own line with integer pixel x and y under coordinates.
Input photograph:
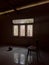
{"type": "Point", "coordinates": [23, 27]}
{"type": "Point", "coordinates": [29, 30]}
{"type": "Point", "coordinates": [22, 30]}
{"type": "Point", "coordinates": [15, 30]}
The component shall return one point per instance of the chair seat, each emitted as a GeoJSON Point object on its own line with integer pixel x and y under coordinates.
{"type": "Point", "coordinates": [32, 48]}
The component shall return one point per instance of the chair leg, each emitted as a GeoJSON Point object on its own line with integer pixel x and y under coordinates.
{"type": "Point", "coordinates": [30, 55]}
{"type": "Point", "coordinates": [26, 61]}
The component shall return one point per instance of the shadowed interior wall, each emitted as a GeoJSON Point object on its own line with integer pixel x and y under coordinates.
{"type": "Point", "coordinates": [41, 27]}
{"type": "Point", "coordinates": [6, 33]}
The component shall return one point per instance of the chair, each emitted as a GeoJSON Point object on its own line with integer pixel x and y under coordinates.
{"type": "Point", "coordinates": [31, 49]}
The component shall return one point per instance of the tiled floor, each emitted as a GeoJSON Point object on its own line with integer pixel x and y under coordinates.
{"type": "Point", "coordinates": [10, 57]}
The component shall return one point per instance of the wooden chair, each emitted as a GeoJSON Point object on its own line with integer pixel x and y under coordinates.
{"type": "Point", "coordinates": [31, 49]}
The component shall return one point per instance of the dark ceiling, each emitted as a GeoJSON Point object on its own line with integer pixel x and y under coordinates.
{"type": "Point", "coordinates": [12, 4]}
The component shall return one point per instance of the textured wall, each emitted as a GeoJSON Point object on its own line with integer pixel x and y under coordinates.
{"type": "Point", "coordinates": [41, 26]}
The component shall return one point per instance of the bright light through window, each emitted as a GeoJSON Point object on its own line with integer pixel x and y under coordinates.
{"type": "Point", "coordinates": [15, 30]}
{"type": "Point", "coordinates": [29, 30]}
{"type": "Point", "coordinates": [22, 21]}
{"type": "Point", "coordinates": [22, 30]}
{"type": "Point", "coordinates": [23, 27]}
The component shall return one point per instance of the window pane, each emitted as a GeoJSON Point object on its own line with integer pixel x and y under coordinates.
{"type": "Point", "coordinates": [22, 30]}
{"type": "Point", "coordinates": [15, 27]}
{"type": "Point", "coordinates": [29, 30]}
{"type": "Point", "coordinates": [22, 21]}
